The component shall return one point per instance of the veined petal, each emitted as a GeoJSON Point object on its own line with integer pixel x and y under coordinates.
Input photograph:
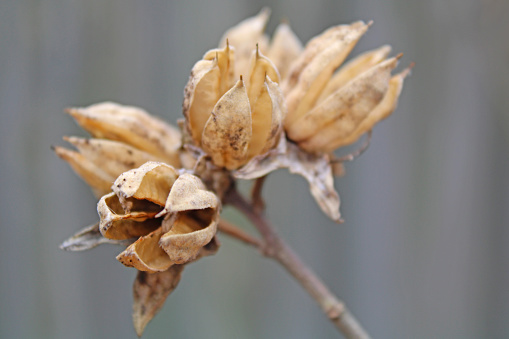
{"type": "Point", "coordinates": [145, 254]}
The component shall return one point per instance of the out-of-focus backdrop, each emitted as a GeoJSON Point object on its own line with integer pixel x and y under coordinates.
{"type": "Point", "coordinates": [424, 251]}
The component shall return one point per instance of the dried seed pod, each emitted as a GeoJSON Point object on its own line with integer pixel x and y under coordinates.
{"type": "Point", "coordinates": [285, 47]}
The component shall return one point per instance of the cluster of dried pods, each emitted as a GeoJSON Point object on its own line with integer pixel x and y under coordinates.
{"type": "Point", "coordinates": [251, 106]}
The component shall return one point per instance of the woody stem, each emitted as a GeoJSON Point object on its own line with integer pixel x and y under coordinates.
{"type": "Point", "coordinates": [275, 248]}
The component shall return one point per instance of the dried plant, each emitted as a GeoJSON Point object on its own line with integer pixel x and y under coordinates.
{"type": "Point", "coordinates": [251, 106]}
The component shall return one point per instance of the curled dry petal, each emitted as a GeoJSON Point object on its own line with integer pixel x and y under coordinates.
{"type": "Point", "coordinates": [228, 131]}
{"type": "Point", "coordinates": [131, 126]}
{"type": "Point", "coordinates": [189, 193]}
{"type": "Point", "coordinates": [117, 224]}
{"type": "Point", "coordinates": [150, 292]}
{"type": "Point", "coordinates": [190, 232]}
{"type": "Point", "coordinates": [152, 182]}
{"type": "Point", "coordinates": [244, 36]}
{"type": "Point", "coordinates": [145, 254]}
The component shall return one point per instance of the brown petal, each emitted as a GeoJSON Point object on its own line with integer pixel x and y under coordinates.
{"type": "Point", "coordinates": [98, 180]}
{"type": "Point", "coordinates": [145, 254]}
{"type": "Point", "coordinates": [88, 238]}
{"type": "Point", "coordinates": [189, 193]}
{"type": "Point", "coordinates": [228, 131]}
{"type": "Point", "coordinates": [189, 233]}
{"type": "Point", "coordinates": [342, 112]}
{"type": "Point", "coordinates": [315, 75]}
{"type": "Point", "coordinates": [284, 49]}
{"type": "Point", "coordinates": [112, 157]}
{"type": "Point", "coordinates": [244, 37]}
{"type": "Point", "coordinates": [118, 225]}
{"type": "Point", "coordinates": [200, 96]}
{"type": "Point", "coordinates": [130, 125]}
{"type": "Point", "coordinates": [150, 292]}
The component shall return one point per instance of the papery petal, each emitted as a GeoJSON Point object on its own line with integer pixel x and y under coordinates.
{"type": "Point", "coordinates": [145, 254]}
{"type": "Point", "coordinates": [152, 181]}
{"type": "Point", "coordinates": [88, 238]}
{"type": "Point", "coordinates": [116, 224]}
{"type": "Point", "coordinates": [130, 125]}
{"type": "Point", "coordinates": [190, 232]}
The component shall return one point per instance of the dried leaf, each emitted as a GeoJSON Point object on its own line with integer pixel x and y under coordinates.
{"type": "Point", "coordinates": [88, 238]}
{"type": "Point", "coordinates": [150, 292]}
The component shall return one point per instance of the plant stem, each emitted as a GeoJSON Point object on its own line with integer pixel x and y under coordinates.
{"type": "Point", "coordinates": [274, 247]}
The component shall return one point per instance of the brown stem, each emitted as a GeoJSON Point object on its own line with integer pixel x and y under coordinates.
{"type": "Point", "coordinates": [274, 247]}
{"type": "Point", "coordinates": [235, 232]}
{"type": "Point", "coordinates": [256, 195]}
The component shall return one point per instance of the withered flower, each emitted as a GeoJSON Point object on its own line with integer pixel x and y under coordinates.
{"type": "Point", "coordinates": [124, 137]}
{"type": "Point", "coordinates": [174, 216]}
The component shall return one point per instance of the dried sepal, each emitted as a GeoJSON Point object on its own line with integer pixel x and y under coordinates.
{"type": "Point", "coordinates": [117, 224]}
{"type": "Point", "coordinates": [88, 238]}
{"type": "Point", "coordinates": [145, 254]}
{"type": "Point", "coordinates": [152, 182]}
{"type": "Point", "coordinates": [340, 114]}
{"type": "Point", "coordinates": [307, 80]}
{"type": "Point", "coordinates": [189, 232]}
{"type": "Point", "coordinates": [98, 180]}
{"type": "Point", "coordinates": [112, 157]}
{"type": "Point", "coordinates": [228, 131]}
{"type": "Point", "coordinates": [244, 36]}
{"type": "Point", "coordinates": [225, 61]}
{"type": "Point", "coordinates": [285, 47]}
{"type": "Point", "coordinates": [316, 169]}
{"type": "Point", "coordinates": [132, 126]}
{"type": "Point", "coordinates": [150, 292]}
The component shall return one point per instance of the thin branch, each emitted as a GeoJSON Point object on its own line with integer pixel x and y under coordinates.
{"type": "Point", "coordinates": [274, 247]}
{"type": "Point", "coordinates": [235, 232]}
{"type": "Point", "coordinates": [256, 195]}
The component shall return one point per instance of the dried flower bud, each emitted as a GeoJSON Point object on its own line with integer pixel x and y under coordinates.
{"type": "Point", "coordinates": [233, 122]}
{"type": "Point", "coordinates": [174, 216]}
{"type": "Point", "coordinates": [134, 136]}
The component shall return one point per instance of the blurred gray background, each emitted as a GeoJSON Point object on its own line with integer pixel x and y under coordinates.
{"type": "Point", "coordinates": [424, 251]}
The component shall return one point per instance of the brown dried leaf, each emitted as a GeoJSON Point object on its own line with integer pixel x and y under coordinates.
{"type": "Point", "coordinates": [117, 224]}
{"type": "Point", "coordinates": [130, 125]}
{"type": "Point", "coordinates": [145, 254]}
{"type": "Point", "coordinates": [98, 180]}
{"type": "Point", "coordinates": [88, 238]}
{"type": "Point", "coordinates": [152, 181]}
{"type": "Point", "coordinates": [228, 131]}
{"type": "Point", "coordinates": [150, 292]}
{"type": "Point", "coordinates": [189, 232]}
